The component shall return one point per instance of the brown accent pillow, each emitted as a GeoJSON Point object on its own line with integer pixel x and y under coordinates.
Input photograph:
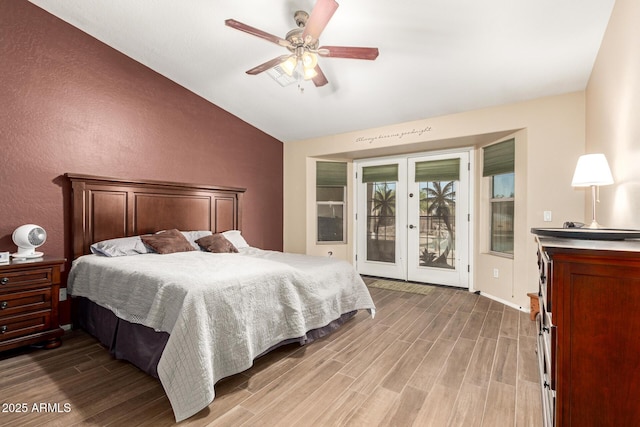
{"type": "Point", "coordinates": [216, 243]}
{"type": "Point", "coordinates": [167, 242]}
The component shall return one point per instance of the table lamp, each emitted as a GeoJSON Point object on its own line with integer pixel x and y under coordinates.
{"type": "Point", "coordinates": [592, 171]}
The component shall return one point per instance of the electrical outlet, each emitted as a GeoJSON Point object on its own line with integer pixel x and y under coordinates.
{"type": "Point", "coordinates": [496, 273]}
{"type": "Point", "coordinates": [547, 216]}
{"type": "Point", "coordinates": [63, 294]}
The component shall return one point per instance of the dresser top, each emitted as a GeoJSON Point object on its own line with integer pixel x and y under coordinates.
{"type": "Point", "coordinates": [628, 245]}
{"type": "Point", "coordinates": [32, 262]}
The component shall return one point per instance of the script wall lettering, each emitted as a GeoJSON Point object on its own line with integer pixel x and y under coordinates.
{"type": "Point", "coordinates": [395, 135]}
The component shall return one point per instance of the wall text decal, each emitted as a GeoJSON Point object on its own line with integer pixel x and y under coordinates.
{"type": "Point", "coordinates": [398, 135]}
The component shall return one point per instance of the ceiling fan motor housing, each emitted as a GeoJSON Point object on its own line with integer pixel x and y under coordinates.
{"type": "Point", "coordinates": [301, 18]}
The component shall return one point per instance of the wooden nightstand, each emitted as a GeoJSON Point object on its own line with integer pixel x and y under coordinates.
{"type": "Point", "coordinates": [29, 291]}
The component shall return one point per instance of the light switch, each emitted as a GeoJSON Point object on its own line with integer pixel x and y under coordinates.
{"type": "Point", "coordinates": [547, 216]}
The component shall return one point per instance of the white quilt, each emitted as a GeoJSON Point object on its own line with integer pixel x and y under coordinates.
{"type": "Point", "coordinates": [221, 310]}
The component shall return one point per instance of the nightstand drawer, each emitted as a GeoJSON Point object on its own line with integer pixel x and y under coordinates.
{"type": "Point", "coordinates": [24, 302]}
{"type": "Point", "coordinates": [16, 326]}
{"type": "Point", "coordinates": [10, 280]}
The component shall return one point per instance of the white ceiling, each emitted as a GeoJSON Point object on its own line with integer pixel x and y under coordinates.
{"type": "Point", "coordinates": [436, 56]}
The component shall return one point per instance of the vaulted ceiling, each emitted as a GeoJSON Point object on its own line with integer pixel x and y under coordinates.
{"type": "Point", "coordinates": [436, 57]}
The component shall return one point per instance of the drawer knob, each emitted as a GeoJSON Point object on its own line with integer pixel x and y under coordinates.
{"type": "Point", "coordinates": [4, 281]}
{"type": "Point", "coordinates": [3, 305]}
{"type": "Point", "coordinates": [3, 329]}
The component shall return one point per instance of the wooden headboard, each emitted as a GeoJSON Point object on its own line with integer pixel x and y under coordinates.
{"type": "Point", "coordinates": [106, 208]}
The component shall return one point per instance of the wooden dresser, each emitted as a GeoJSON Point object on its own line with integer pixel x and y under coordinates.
{"type": "Point", "coordinates": [29, 291]}
{"type": "Point", "coordinates": [589, 331]}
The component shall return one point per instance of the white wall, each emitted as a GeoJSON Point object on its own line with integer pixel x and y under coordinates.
{"type": "Point", "coordinates": [613, 116]}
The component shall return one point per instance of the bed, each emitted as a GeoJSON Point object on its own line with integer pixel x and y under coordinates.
{"type": "Point", "coordinates": [193, 317]}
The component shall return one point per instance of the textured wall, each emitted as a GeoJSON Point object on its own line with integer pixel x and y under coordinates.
{"type": "Point", "coordinates": [613, 107]}
{"type": "Point", "coordinates": [69, 103]}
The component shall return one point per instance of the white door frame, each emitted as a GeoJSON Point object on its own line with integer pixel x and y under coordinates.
{"type": "Point", "coordinates": [471, 204]}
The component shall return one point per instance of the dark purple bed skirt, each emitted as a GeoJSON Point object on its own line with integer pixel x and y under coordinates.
{"type": "Point", "coordinates": [143, 346]}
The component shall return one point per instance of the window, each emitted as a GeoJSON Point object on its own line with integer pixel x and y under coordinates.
{"type": "Point", "coordinates": [501, 202]}
{"type": "Point", "coordinates": [499, 162]}
{"type": "Point", "coordinates": [331, 186]}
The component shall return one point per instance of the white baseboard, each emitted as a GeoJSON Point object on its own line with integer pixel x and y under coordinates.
{"type": "Point", "coordinates": [510, 304]}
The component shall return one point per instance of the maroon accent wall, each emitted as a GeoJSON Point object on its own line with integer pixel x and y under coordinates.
{"type": "Point", "coordinates": [69, 103]}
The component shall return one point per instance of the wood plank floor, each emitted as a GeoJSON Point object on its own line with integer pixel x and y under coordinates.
{"type": "Point", "coordinates": [449, 358]}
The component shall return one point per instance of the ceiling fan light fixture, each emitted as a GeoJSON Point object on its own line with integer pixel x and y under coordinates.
{"type": "Point", "coordinates": [289, 65]}
{"type": "Point", "coordinates": [309, 60]}
{"type": "Point", "coordinates": [309, 73]}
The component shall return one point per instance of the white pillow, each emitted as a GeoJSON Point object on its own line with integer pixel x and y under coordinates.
{"type": "Point", "coordinates": [236, 239]}
{"type": "Point", "coordinates": [122, 246]}
{"type": "Point", "coordinates": [192, 236]}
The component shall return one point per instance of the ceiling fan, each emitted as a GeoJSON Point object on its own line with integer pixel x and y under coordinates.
{"type": "Point", "coordinates": [302, 43]}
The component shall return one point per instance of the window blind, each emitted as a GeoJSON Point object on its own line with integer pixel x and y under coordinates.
{"type": "Point", "coordinates": [381, 173]}
{"type": "Point", "coordinates": [499, 158]}
{"type": "Point", "coordinates": [438, 170]}
{"type": "Point", "coordinates": [331, 174]}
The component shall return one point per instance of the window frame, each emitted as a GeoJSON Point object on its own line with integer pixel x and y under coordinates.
{"type": "Point", "coordinates": [498, 160]}
{"type": "Point", "coordinates": [331, 175]}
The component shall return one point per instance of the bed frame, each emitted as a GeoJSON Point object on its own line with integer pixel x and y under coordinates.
{"type": "Point", "coordinates": [106, 208]}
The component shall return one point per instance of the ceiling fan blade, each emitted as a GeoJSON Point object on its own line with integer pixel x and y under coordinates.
{"type": "Point", "coordinates": [319, 18]}
{"type": "Point", "coordinates": [319, 79]}
{"type": "Point", "coordinates": [369, 53]}
{"type": "Point", "coordinates": [267, 65]}
{"type": "Point", "coordinates": [256, 32]}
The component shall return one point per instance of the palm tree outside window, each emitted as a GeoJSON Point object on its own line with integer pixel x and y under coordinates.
{"type": "Point", "coordinates": [438, 181]}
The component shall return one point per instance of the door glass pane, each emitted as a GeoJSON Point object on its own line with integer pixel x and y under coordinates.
{"type": "Point", "coordinates": [437, 224]}
{"type": "Point", "coordinates": [381, 221]}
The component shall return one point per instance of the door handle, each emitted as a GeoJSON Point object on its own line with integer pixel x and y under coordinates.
{"type": "Point", "coordinates": [411, 226]}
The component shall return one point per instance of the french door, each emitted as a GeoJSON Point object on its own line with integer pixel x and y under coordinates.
{"type": "Point", "coordinates": [412, 218]}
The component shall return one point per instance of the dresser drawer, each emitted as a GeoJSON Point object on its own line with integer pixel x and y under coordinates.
{"type": "Point", "coordinates": [23, 279]}
{"type": "Point", "coordinates": [548, 393]}
{"type": "Point", "coordinates": [19, 325]}
{"type": "Point", "coordinates": [24, 302]}
{"type": "Point", "coordinates": [547, 332]}
{"type": "Point", "coordinates": [545, 271]}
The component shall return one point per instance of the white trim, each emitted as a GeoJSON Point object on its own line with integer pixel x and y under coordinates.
{"type": "Point", "coordinates": [507, 303]}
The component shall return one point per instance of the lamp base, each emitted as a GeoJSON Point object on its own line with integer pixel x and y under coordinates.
{"type": "Point", "coordinates": [594, 225]}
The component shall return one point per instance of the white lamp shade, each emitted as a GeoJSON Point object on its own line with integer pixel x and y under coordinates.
{"type": "Point", "coordinates": [592, 169]}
